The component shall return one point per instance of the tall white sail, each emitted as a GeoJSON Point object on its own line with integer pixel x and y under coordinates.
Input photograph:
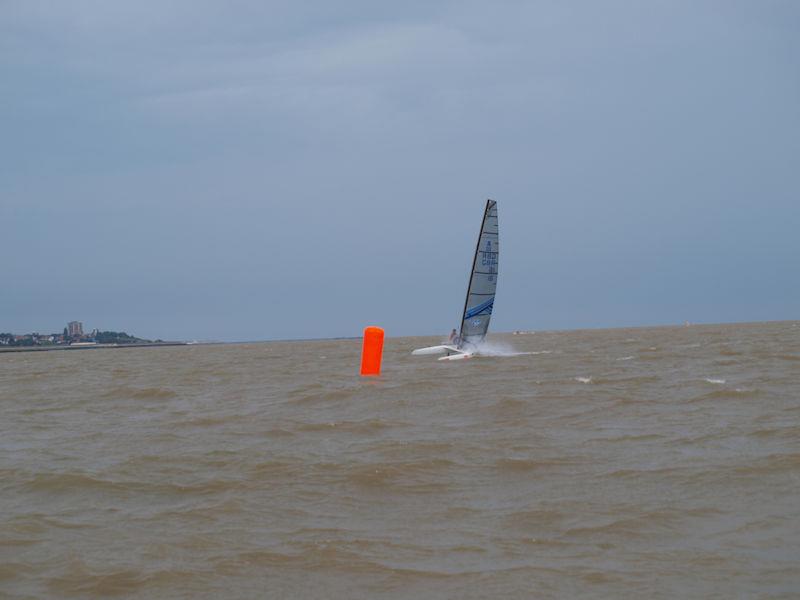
{"type": "Point", "coordinates": [482, 281]}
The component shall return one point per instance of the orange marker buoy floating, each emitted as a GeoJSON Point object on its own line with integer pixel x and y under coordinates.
{"type": "Point", "coordinates": [371, 351]}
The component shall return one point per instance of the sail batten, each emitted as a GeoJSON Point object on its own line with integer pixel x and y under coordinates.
{"type": "Point", "coordinates": [483, 280]}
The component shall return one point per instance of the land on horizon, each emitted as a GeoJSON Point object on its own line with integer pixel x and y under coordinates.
{"type": "Point", "coordinates": [133, 342]}
{"type": "Point", "coordinates": [73, 337]}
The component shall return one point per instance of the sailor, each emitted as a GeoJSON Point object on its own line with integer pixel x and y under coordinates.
{"type": "Point", "coordinates": [453, 337]}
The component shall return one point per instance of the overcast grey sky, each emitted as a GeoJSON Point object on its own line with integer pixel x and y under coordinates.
{"type": "Point", "coordinates": [249, 170]}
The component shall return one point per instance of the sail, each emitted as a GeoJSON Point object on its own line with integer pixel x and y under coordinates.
{"type": "Point", "coordinates": [482, 281]}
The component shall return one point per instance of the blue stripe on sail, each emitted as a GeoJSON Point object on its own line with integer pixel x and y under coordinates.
{"type": "Point", "coordinates": [483, 307]}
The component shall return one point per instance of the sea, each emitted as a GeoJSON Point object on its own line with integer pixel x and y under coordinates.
{"type": "Point", "coordinates": [622, 463]}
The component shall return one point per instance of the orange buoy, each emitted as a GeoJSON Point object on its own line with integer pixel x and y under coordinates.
{"type": "Point", "coordinates": [371, 351]}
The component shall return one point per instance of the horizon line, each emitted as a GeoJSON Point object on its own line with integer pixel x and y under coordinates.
{"type": "Point", "coordinates": [522, 331]}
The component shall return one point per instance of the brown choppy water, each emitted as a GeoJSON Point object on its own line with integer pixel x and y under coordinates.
{"type": "Point", "coordinates": [654, 463]}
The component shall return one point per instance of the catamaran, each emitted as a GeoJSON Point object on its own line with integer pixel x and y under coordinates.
{"type": "Point", "coordinates": [480, 293]}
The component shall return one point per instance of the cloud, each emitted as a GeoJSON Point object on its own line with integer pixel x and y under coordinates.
{"type": "Point", "coordinates": [247, 146]}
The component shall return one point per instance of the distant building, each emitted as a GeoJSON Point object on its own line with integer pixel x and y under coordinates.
{"type": "Point", "coordinates": [75, 328]}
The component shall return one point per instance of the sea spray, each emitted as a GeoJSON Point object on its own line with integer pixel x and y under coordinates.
{"type": "Point", "coordinates": [498, 348]}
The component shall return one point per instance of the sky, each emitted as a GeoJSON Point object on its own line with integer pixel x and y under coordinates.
{"type": "Point", "coordinates": [249, 170]}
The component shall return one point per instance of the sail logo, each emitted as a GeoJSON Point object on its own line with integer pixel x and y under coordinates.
{"type": "Point", "coordinates": [482, 309]}
{"type": "Point", "coordinates": [489, 255]}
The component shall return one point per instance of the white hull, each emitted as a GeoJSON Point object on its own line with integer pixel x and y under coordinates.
{"type": "Point", "coordinates": [452, 352]}
{"type": "Point", "coordinates": [443, 349]}
{"type": "Point", "coordinates": [460, 356]}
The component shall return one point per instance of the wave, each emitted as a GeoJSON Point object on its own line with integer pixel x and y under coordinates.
{"type": "Point", "coordinates": [529, 464]}
{"type": "Point", "coordinates": [81, 482]}
{"type": "Point", "coordinates": [10, 570]}
{"type": "Point", "coordinates": [326, 553]}
{"type": "Point", "coordinates": [636, 473]}
{"type": "Point", "coordinates": [624, 380]}
{"type": "Point", "coordinates": [64, 482]}
{"type": "Point", "coordinates": [727, 394]}
{"type": "Point", "coordinates": [584, 379]}
{"type": "Point", "coordinates": [626, 526]}
{"type": "Point", "coordinates": [626, 400]}
{"type": "Point", "coordinates": [401, 450]}
{"type": "Point", "coordinates": [256, 558]}
{"type": "Point", "coordinates": [715, 381]}
{"type": "Point", "coordinates": [319, 393]}
{"type": "Point", "coordinates": [279, 432]}
{"type": "Point", "coordinates": [729, 352]}
{"type": "Point", "coordinates": [269, 468]}
{"type": "Point", "coordinates": [364, 426]}
{"type": "Point", "coordinates": [148, 393]}
{"type": "Point", "coordinates": [774, 463]}
{"type": "Point", "coordinates": [420, 475]}
{"type": "Point", "coordinates": [644, 523]}
{"type": "Point", "coordinates": [789, 357]}
{"type": "Point", "coordinates": [791, 432]}
{"type": "Point", "coordinates": [211, 421]}
{"type": "Point", "coordinates": [535, 519]}
{"type": "Point", "coordinates": [642, 437]}
{"type": "Point", "coordinates": [82, 582]}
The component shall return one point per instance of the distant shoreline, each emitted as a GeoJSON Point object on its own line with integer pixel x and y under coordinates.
{"type": "Point", "coordinates": [795, 323]}
{"type": "Point", "coordinates": [90, 347]}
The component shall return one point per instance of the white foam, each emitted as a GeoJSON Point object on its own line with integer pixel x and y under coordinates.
{"type": "Point", "coordinates": [584, 379]}
{"type": "Point", "coordinates": [717, 381]}
{"type": "Point", "coordinates": [493, 348]}
{"type": "Point", "coordinates": [626, 358]}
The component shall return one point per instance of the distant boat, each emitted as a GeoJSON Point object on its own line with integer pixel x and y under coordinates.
{"type": "Point", "coordinates": [481, 290]}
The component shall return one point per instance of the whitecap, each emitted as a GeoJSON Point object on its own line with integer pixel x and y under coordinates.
{"type": "Point", "coordinates": [717, 381]}
{"type": "Point", "coordinates": [626, 358]}
{"type": "Point", "coordinates": [584, 379]}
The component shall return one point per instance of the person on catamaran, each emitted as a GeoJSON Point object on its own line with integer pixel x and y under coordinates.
{"type": "Point", "coordinates": [454, 337]}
